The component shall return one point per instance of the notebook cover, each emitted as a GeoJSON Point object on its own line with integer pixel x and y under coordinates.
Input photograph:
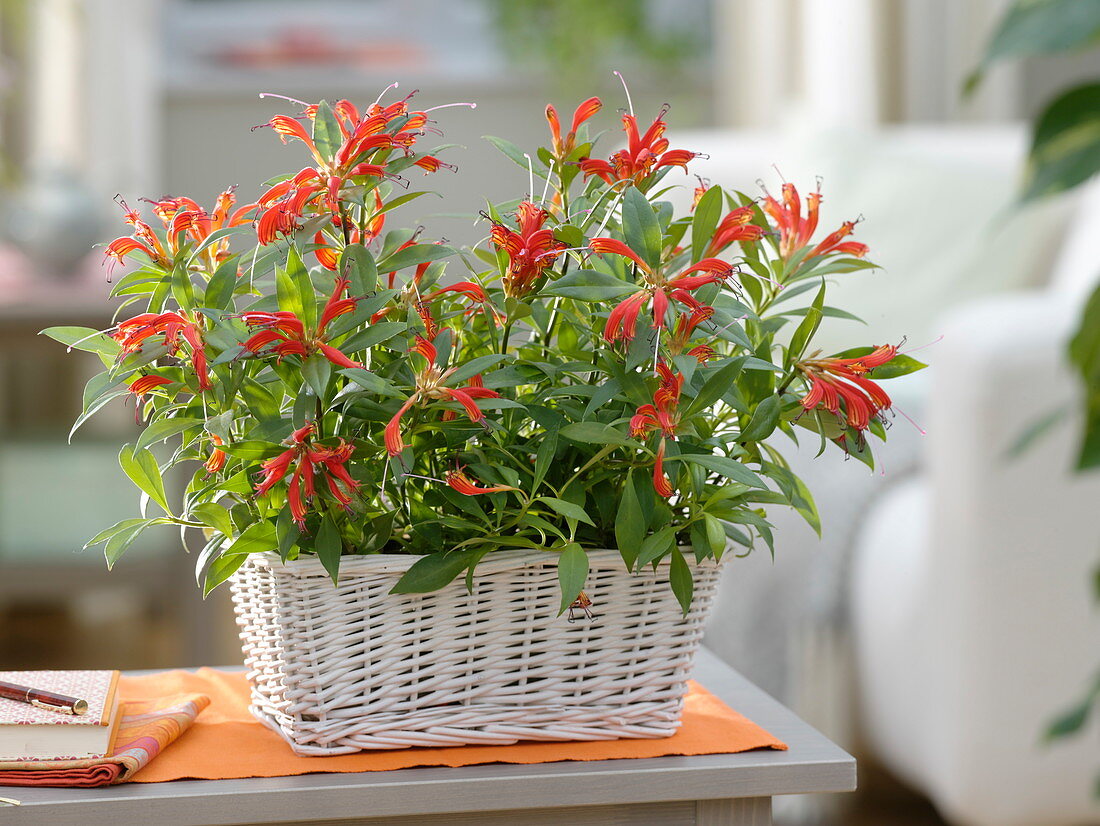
{"type": "Point", "coordinates": [97, 687]}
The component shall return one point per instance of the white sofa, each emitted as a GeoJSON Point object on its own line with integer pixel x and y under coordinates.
{"type": "Point", "coordinates": [971, 601]}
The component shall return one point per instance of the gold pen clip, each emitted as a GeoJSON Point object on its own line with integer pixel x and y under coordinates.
{"type": "Point", "coordinates": [51, 707]}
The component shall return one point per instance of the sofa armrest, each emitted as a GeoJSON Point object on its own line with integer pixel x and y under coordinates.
{"type": "Point", "coordinates": [994, 614]}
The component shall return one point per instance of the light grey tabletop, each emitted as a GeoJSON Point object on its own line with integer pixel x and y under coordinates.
{"type": "Point", "coordinates": [442, 795]}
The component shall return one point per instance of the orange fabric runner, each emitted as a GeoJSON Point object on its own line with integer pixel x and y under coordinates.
{"type": "Point", "coordinates": [227, 742]}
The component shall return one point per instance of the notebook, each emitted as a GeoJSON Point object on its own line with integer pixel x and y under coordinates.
{"type": "Point", "coordinates": [31, 733]}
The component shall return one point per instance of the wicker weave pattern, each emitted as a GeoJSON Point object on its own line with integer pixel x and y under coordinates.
{"type": "Point", "coordinates": [338, 670]}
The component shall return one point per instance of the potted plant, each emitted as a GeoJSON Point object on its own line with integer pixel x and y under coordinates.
{"type": "Point", "coordinates": [488, 503]}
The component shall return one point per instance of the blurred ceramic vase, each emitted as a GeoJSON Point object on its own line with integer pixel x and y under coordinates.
{"type": "Point", "coordinates": [53, 220]}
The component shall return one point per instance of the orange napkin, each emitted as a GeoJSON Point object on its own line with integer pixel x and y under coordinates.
{"type": "Point", "coordinates": [146, 728]}
{"type": "Point", "coordinates": [227, 742]}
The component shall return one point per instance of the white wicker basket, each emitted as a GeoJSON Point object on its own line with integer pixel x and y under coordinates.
{"type": "Point", "coordinates": [340, 669]}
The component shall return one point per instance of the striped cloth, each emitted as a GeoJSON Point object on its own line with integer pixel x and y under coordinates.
{"type": "Point", "coordinates": [146, 728]}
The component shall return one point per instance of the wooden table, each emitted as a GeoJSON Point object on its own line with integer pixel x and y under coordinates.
{"type": "Point", "coordinates": [708, 790]}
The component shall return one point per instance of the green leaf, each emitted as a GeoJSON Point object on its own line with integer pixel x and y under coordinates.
{"type": "Point", "coordinates": [291, 298]}
{"type": "Point", "coordinates": [372, 335]}
{"type": "Point", "coordinates": [215, 516]}
{"type": "Point", "coordinates": [655, 546]}
{"type": "Point", "coordinates": [256, 538]}
{"type": "Point", "coordinates": [705, 221]}
{"type": "Point", "coordinates": [589, 285]}
{"type": "Point", "coordinates": [594, 433]}
{"type": "Point", "coordinates": [327, 136]}
{"type": "Point", "coordinates": [123, 539]}
{"type": "Point", "coordinates": [763, 422]}
{"type": "Point", "coordinates": [83, 338]}
{"type": "Point", "coordinates": [730, 468]}
{"type": "Point", "coordinates": [165, 429]}
{"type": "Point", "coordinates": [329, 547]}
{"type": "Point", "coordinates": [715, 386]}
{"type": "Point", "coordinates": [118, 527]}
{"type": "Point", "coordinates": [435, 571]}
{"type": "Point", "coordinates": [679, 576]}
{"type": "Point", "coordinates": [1034, 27]}
{"type": "Point", "coordinates": [572, 573]}
{"type": "Point", "coordinates": [475, 366]}
{"type": "Point", "coordinates": [1065, 146]}
{"type": "Point", "coordinates": [317, 370]}
{"type": "Point", "coordinates": [512, 151]}
{"type": "Point", "coordinates": [183, 290]}
{"type": "Point", "coordinates": [807, 327]}
{"type": "Point", "coordinates": [372, 382]}
{"type": "Point", "coordinates": [641, 228]}
{"type": "Point", "coordinates": [548, 449]}
{"type": "Point", "coordinates": [1071, 721]}
{"type": "Point", "coordinates": [220, 287]}
{"type": "Point", "coordinates": [357, 265]}
{"type": "Point", "coordinates": [141, 467]}
{"type": "Point", "coordinates": [220, 570]}
{"type": "Point", "coordinates": [1084, 353]}
{"type": "Point", "coordinates": [416, 254]}
{"type": "Point", "coordinates": [716, 535]}
{"type": "Point", "coordinates": [568, 509]}
{"type": "Point", "coordinates": [629, 523]}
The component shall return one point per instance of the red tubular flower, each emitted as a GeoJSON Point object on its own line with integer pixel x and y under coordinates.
{"type": "Point", "coordinates": [530, 251]}
{"type": "Point", "coordinates": [660, 482]}
{"type": "Point", "coordinates": [833, 243]}
{"type": "Point", "coordinates": [132, 334]}
{"type": "Point", "coordinates": [308, 460]}
{"type": "Point", "coordinates": [841, 387]}
{"type": "Point", "coordinates": [184, 222]}
{"type": "Point", "coordinates": [563, 148]}
{"type": "Point", "coordinates": [368, 140]}
{"type": "Point", "coordinates": [796, 229]}
{"type": "Point", "coordinates": [430, 384]}
{"type": "Point", "coordinates": [663, 416]}
{"type": "Point", "coordinates": [623, 319]}
{"type": "Point", "coordinates": [217, 458]}
{"type": "Point", "coordinates": [392, 434]}
{"type": "Point", "coordinates": [285, 334]}
{"type": "Point", "coordinates": [732, 228]}
{"type": "Point", "coordinates": [685, 328]}
{"type": "Point", "coordinates": [142, 385]}
{"type": "Point", "coordinates": [468, 487]}
{"type": "Point", "coordinates": [643, 155]}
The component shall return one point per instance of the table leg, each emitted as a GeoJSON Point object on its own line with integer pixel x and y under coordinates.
{"type": "Point", "coordinates": [744, 811]}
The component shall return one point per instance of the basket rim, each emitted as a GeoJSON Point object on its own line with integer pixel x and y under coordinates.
{"type": "Point", "coordinates": [494, 561]}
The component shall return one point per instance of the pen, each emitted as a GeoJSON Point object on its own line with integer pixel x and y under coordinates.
{"type": "Point", "coordinates": [43, 699]}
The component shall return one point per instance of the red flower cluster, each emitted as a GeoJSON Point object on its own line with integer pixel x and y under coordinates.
{"type": "Point", "coordinates": [430, 384]}
{"type": "Point", "coordinates": [622, 322]}
{"type": "Point", "coordinates": [468, 487]}
{"type": "Point", "coordinates": [841, 386]}
{"type": "Point", "coordinates": [686, 325]}
{"type": "Point", "coordinates": [133, 332]}
{"type": "Point", "coordinates": [285, 334]}
{"type": "Point", "coordinates": [734, 227]}
{"type": "Point", "coordinates": [530, 251]}
{"type": "Point", "coordinates": [663, 416]}
{"type": "Point", "coordinates": [184, 221]}
{"type": "Point", "coordinates": [563, 147]}
{"type": "Point", "coordinates": [643, 155]}
{"type": "Point", "coordinates": [309, 460]}
{"type": "Point", "coordinates": [367, 140]}
{"type": "Point", "coordinates": [796, 229]}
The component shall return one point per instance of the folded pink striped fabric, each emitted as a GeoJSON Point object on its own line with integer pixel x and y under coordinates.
{"type": "Point", "coordinates": [146, 728]}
